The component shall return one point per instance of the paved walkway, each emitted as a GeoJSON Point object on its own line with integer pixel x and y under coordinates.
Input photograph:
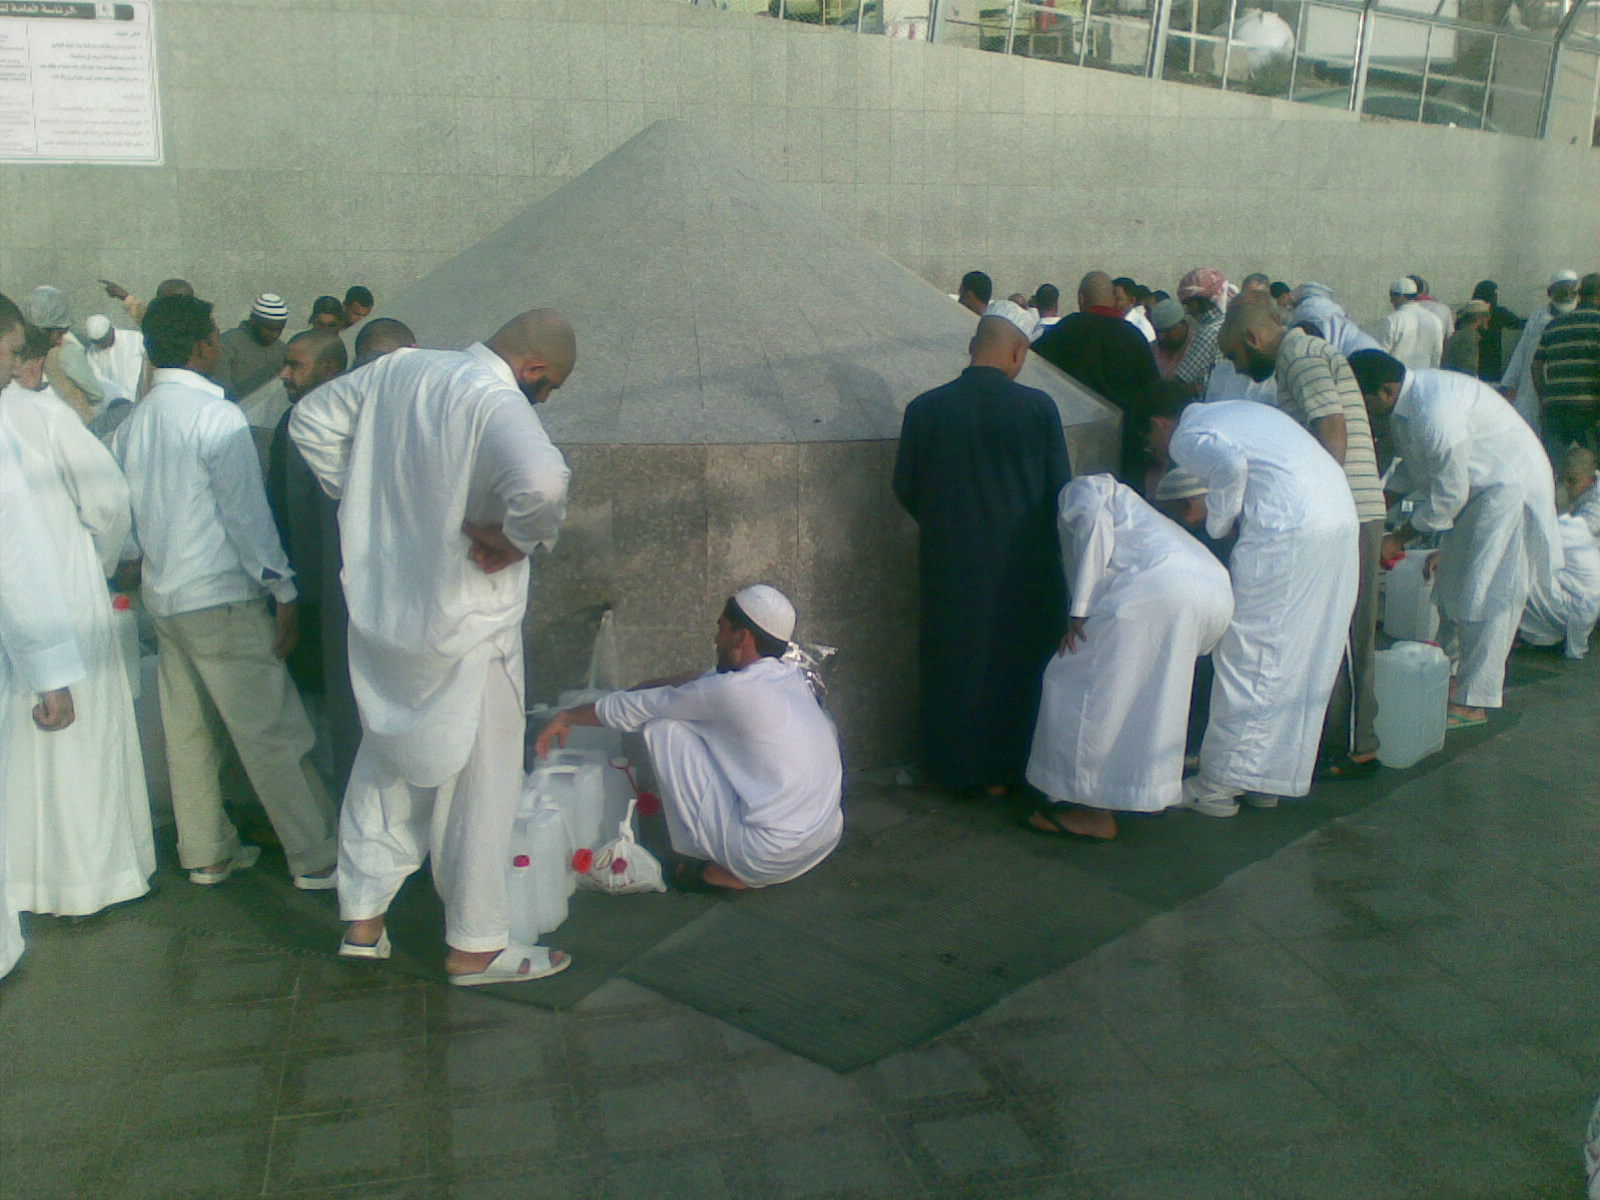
{"type": "Point", "coordinates": [1401, 1005]}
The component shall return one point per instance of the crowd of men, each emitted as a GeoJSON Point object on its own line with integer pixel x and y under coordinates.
{"type": "Point", "coordinates": [1079, 636]}
{"type": "Point", "coordinates": [332, 530]}
{"type": "Point", "coordinates": [301, 532]}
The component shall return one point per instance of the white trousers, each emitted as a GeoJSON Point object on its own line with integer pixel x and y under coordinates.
{"type": "Point", "coordinates": [1484, 647]}
{"type": "Point", "coordinates": [390, 826]}
{"type": "Point", "coordinates": [705, 816]}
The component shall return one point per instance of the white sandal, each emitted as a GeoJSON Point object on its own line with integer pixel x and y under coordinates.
{"type": "Point", "coordinates": [378, 951]}
{"type": "Point", "coordinates": [516, 964]}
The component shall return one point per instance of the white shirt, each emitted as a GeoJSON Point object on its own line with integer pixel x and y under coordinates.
{"type": "Point", "coordinates": [1227, 382]}
{"type": "Point", "coordinates": [1135, 316]}
{"type": "Point", "coordinates": [416, 443]}
{"type": "Point", "coordinates": [1413, 335]}
{"type": "Point", "coordinates": [200, 512]}
{"type": "Point", "coordinates": [764, 729]}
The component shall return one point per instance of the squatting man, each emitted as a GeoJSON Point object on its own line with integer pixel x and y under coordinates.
{"type": "Point", "coordinates": [747, 760]}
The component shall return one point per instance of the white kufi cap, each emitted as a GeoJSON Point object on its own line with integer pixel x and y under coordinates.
{"type": "Point", "coordinates": [1022, 318]}
{"type": "Point", "coordinates": [47, 308]}
{"type": "Point", "coordinates": [97, 327]}
{"type": "Point", "coordinates": [1403, 287]}
{"type": "Point", "coordinates": [768, 609]}
{"type": "Point", "coordinates": [1567, 275]}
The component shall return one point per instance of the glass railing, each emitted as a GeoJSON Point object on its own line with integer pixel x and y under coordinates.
{"type": "Point", "coordinates": [1498, 65]}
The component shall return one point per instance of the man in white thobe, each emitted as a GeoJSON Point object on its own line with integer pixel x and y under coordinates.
{"type": "Point", "coordinates": [1320, 315]}
{"type": "Point", "coordinates": [1295, 571]}
{"type": "Point", "coordinates": [1516, 380]}
{"type": "Point", "coordinates": [77, 815]}
{"type": "Point", "coordinates": [1410, 333]}
{"type": "Point", "coordinates": [1480, 477]}
{"type": "Point", "coordinates": [447, 483]}
{"type": "Point", "coordinates": [1565, 612]}
{"type": "Point", "coordinates": [747, 759]}
{"type": "Point", "coordinates": [117, 358]}
{"type": "Point", "coordinates": [1147, 600]}
{"type": "Point", "coordinates": [36, 639]}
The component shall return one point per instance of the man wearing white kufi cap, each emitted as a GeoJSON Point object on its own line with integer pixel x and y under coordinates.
{"type": "Point", "coordinates": [1411, 333]}
{"type": "Point", "coordinates": [1146, 601]}
{"type": "Point", "coordinates": [747, 759]}
{"type": "Point", "coordinates": [117, 358]}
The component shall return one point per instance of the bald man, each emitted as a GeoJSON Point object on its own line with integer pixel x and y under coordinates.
{"type": "Point", "coordinates": [1316, 387]}
{"type": "Point", "coordinates": [980, 464]}
{"type": "Point", "coordinates": [380, 336]}
{"type": "Point", "coordinates": [1109, 356]}
{"type": "Point", "coordinates": [448, 483]}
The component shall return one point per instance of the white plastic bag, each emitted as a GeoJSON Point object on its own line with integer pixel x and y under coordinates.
{"type": "Point", "coordinates": [623, 867]}
{"type": "Point", "coordinates": [605, 673]}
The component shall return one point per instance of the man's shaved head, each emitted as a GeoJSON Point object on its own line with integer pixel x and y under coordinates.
{"type": "Point", "coordinates": [999, 344]}
{"type": "Point", "coordinates": [1250, 311]}
{"type": "Point", "coordinates": [540, 348]}
{"type": "Point", "coordinates": [309, 359]}
{"type": "Point", "coordinates": [324, 346]}
{"type": "Point", "coordinates": [1096, 288]}
{"type": "Point", "coordinates": [380, 336]}
{"type": "Point", "coordinates": [174, 287]}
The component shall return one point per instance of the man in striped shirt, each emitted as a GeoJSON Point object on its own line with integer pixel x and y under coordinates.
{"type": "Point", "coordinates": [1566, 374]}
{"type": "Point", "coordinates": [1317, 388]}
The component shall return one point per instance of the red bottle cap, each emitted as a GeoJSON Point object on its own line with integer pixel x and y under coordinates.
{"type": "Point", "coordinates": [618, 865]}
{"type": "Point", "coordinates": [121, 603]}
{"type": "Point", "coordinates": [522, 860]}
{"type": "Point", "coordinates": [582, 860]}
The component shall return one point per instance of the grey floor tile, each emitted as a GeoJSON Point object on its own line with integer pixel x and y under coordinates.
{"type": "Point", "coordinates": [500, 1056]}
{"type": "Point", "coordinates": [165, 1166]}
{"type": "Point", "coordinates": [637, 1114]}
{"type": "Point", "coordinates": [1323, 1168]}
{"type": "Point", "coordinates": [1123, 1123]}
{"type": "Point", "coordinates": [977, 1143]}
{"type": "Point", "coordinates": [708, 1172]}
{"type": "Point", "coordinates": [359, 1146]}
{"type": "Point", "coordinates": [358, 1021]}
{"type": "Point", "coordinates": [208, 981]}
{"type": "Point", "coordinates": [491, 1131]}
{"type": "Point", "coordinates": [1070, 1056]}
{"type": "Point", "coordinates": [856, 1159]}
{"type": "Point", "coordinates": [190, 1098]}
{"type": "Point", "coordinates": [1176, 1046]}
{"type": "Point", "coordinates": [388, 1073]}
{"type": "Point", "coordinates": [785, 1090]}
{"type": "Point", "coordinates": [48, 1168]}
{"type": "Point", "coordinates": [933, 1072]}
{"type": "Point", "coordinates": [1263, 1104]}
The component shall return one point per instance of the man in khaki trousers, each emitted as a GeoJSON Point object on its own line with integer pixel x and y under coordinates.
{"type": "Point", "coordinates": [211, 559]}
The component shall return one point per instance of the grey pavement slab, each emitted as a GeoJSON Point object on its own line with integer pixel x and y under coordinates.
{"type": "Point", "coordinates": [1400, 1004]}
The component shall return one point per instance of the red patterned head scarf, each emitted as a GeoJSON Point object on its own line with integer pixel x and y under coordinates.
{"type": "Point", "coordinates": [1207, 283]}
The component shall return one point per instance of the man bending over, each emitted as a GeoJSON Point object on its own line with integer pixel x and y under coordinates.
{"type": "Point", "coordinates": [747, 760]}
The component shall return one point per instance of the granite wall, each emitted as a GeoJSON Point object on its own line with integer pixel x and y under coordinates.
{"type": "Point", "coordinates": [313, 143]}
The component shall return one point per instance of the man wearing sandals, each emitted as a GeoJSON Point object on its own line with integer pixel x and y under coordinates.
{"type": "Point", "coordinates": [1146, 601]}
{"type": "Point", "coordinates": [448, 483]}
{"type": "Point", "coordinates": [747, 759]}
{"type": "Point", "coordinates": [1483, 480]}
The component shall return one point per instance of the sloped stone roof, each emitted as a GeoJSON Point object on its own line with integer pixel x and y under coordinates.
{"type": "Point", "coordinates": [712, 306]}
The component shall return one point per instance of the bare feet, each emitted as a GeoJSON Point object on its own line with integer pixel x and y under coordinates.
{"type": "Point", "coordinates": [364, 933]}
{"type": "Point", "coordinates": [1097, 823]}
{"type": "Point", "coordinates": [1467, 714]}
{"type": "Point", "coordinates": [723, 878]}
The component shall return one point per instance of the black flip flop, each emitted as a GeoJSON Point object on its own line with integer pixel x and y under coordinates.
{"type": "Point", "coordinates": [1047, 811]}
{"type": "Point", "coordinates": [690, 876]}
{"type": "Point", "coordinates": [1343, 768]}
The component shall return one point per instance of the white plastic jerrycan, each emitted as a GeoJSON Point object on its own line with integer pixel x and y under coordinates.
{"type": "Point", "coordinates": [616, 783]}
{"type": "Point", "coordinates": [575, 785]}
{"type": "Point", "coordinates": [539, 873]}
{"type": "Point", "coordinates": [1413, 685]}
{"type": "Point", "coordinates": [1409, 614]}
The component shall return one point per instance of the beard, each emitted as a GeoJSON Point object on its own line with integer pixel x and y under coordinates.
{"type": "Point", "coordinates": [1563, 307]}
{"type": "Point", "coordinates": [1258, 366]}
